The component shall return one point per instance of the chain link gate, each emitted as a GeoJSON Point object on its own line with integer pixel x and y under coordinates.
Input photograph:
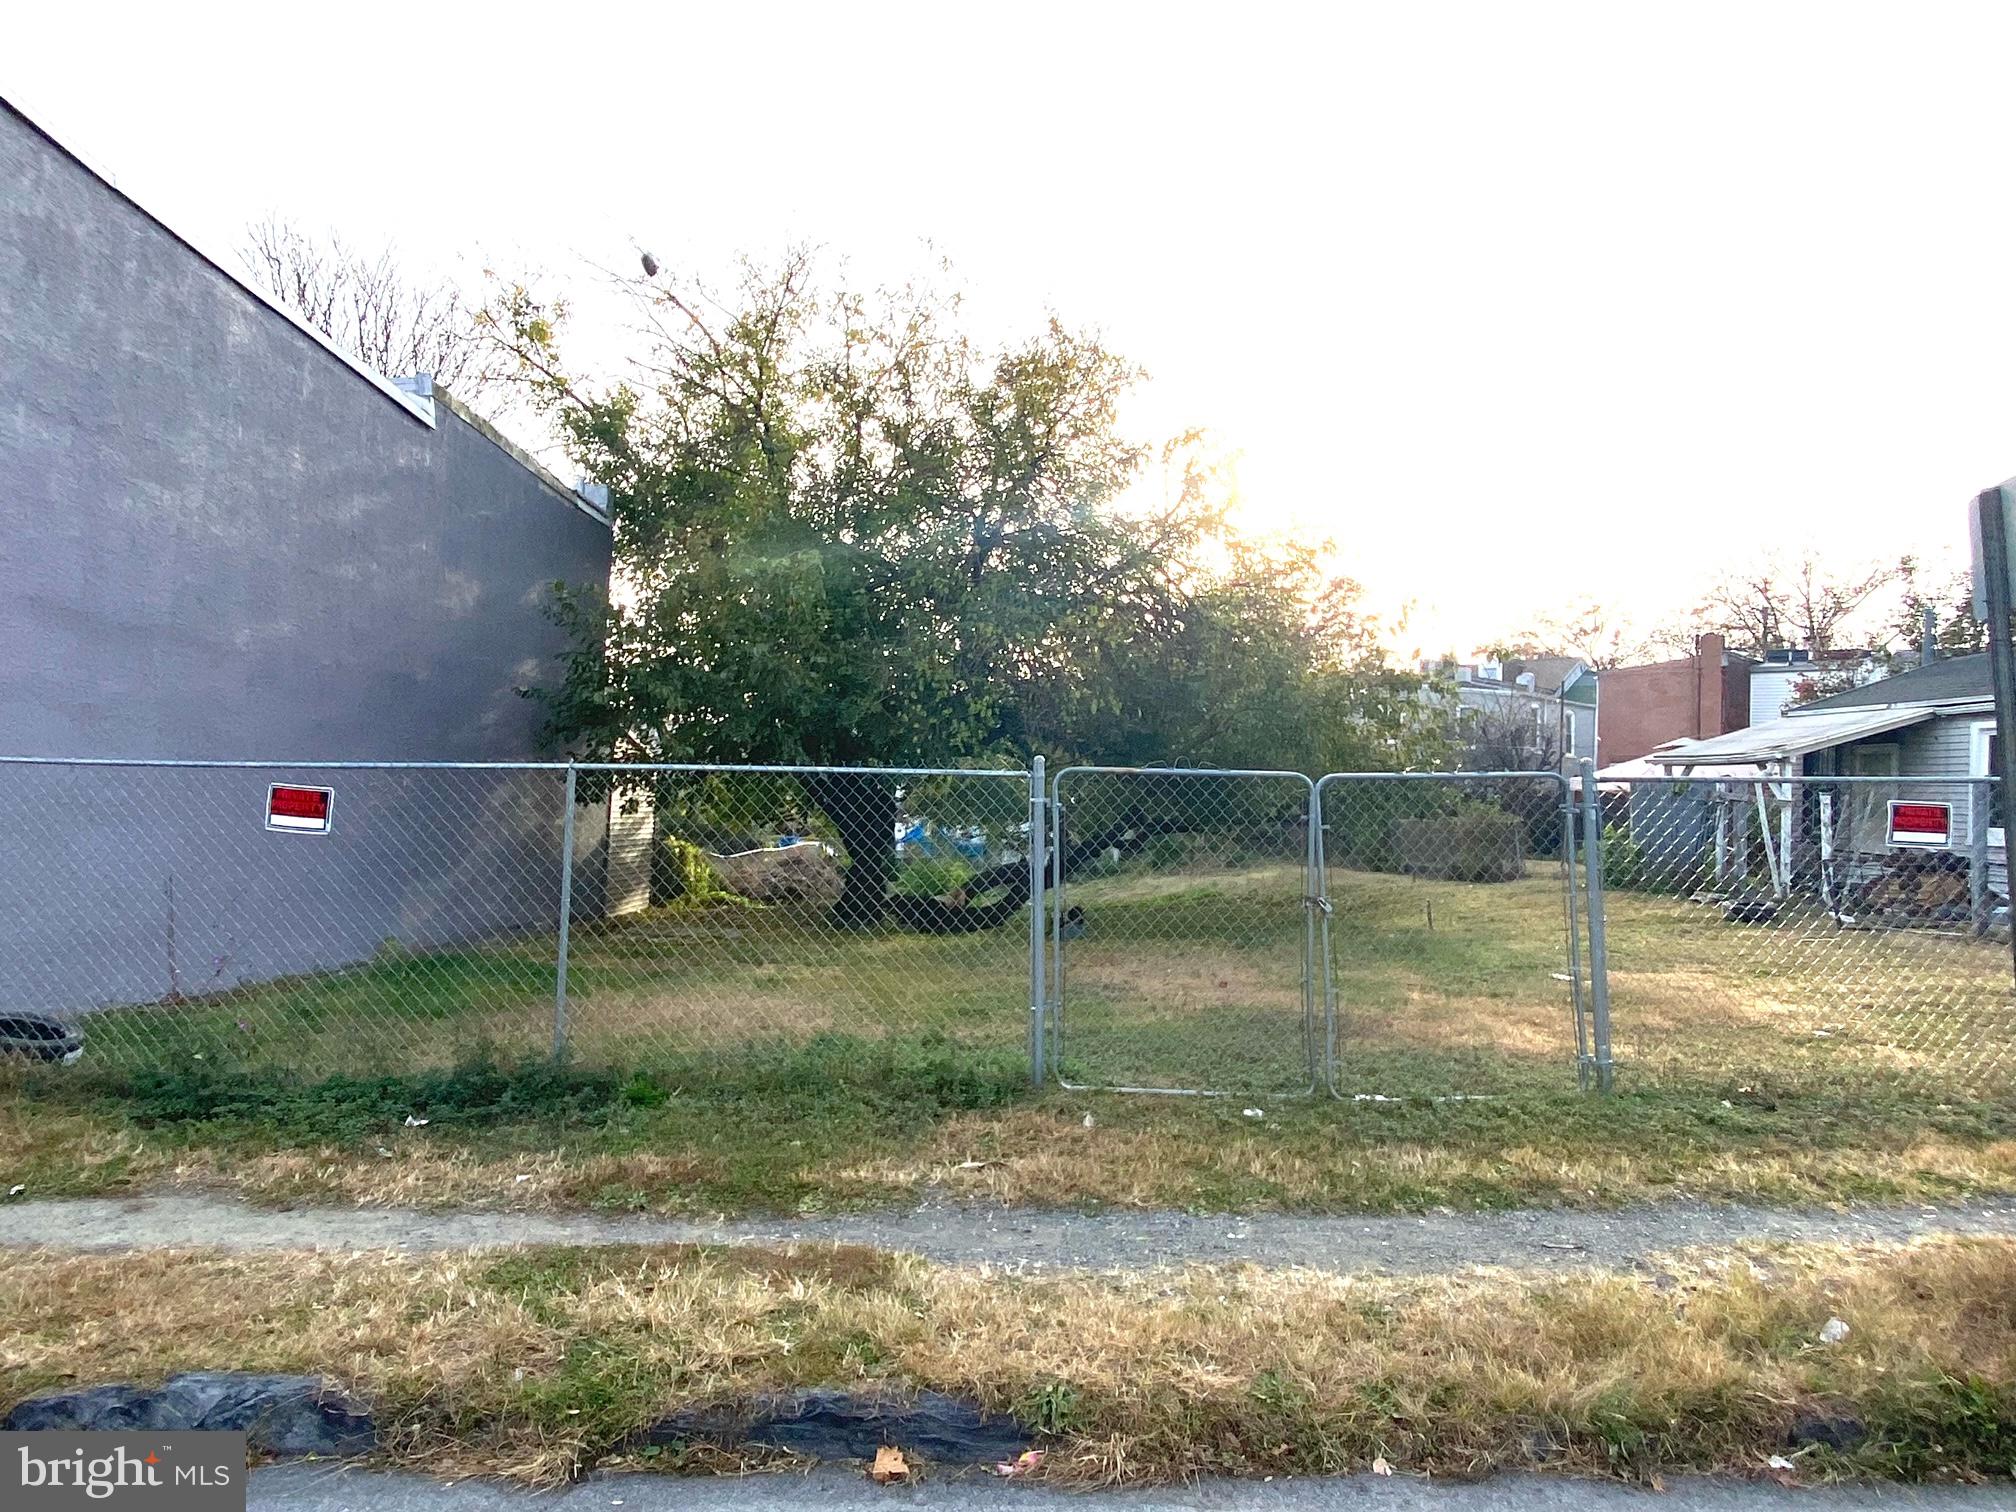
{"type": "Point", "coordinates": [1449, 940]}
{"type": "Point", "coordinates": [1182, 918]}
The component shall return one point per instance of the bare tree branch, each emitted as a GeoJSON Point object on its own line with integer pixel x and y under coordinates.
{"type": "Point", "coordinates": [368, 307]}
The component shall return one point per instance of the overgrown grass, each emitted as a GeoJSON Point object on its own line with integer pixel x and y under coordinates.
{"type": "Point", "coordinates": [537, 1364]}
{"type": "Point", "coordinates": [1182, 978]}
{"type": "Point", "coordinates": [746, 1057]}
{"type": "Point", "coordinates": [848, 1124]}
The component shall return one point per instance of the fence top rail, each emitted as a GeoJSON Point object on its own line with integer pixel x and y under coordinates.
{"type": "Point", "coordinates": [1800, 779]}
{"type": "Point", "coordinates": [204, 764]}
{"type": "Point", "coordinates": [285, 766]}
{"type": "Point", "coordinates": [1020, 774]}
{"type": "Point", "coordinates": [1129, 771]}
{"type": "Point", "coordinates": [1542, 775]}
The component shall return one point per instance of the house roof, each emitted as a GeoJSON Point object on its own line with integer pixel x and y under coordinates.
{"type": "Point", "coordinates": [1550, 673]}
{"type": "Point", "coordinates": [1618, 778]}
{"type": "Point", "coordinates": [1794, 735]}
{"type": "Point", "coordinates": [1950, 680]}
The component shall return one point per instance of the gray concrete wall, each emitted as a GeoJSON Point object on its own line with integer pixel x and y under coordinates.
{"type": "Point", "coordinates": [218, 539]}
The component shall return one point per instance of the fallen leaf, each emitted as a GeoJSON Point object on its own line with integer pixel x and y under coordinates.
{"type": "Point", "coordinates": [889, 1467]}
{"type": "Point", "coordinates": [1380, 1467]}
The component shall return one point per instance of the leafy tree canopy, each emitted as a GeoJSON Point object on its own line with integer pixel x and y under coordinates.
{"type": "Point", "coordinates": [846, 535]}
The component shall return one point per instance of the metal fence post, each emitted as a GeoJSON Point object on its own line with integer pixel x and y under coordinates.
{"type": "Point", "coordinates": [566, 920]}
{"type": "Point", "coordinates": [1583, 1061]}
{"type": "Point", "coordinates": [1038, 981]}
{"type": "Point", "coordinates": [1315, 907]}
{"type": "Point", "coordinates": [1980, 804]}
{"type": "Point", "coordinates": [1599, 959]}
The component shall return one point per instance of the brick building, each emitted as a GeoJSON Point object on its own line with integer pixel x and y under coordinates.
{"type": "Point", "coordinates": [1689, 698]}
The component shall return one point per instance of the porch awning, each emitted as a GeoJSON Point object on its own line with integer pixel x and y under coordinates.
{"type": "Point", "coordinates": [1618, 778]}
{"type": "Point", "coordinates": [1783, 739]}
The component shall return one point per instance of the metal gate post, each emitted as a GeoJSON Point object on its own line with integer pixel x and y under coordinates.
{"type": "Point", "coordinates": [1038, 875]}
{"type": "Point", "coordinates": [1319, 861]}
{"type": "Point", "coordinates": [566, 921]}
{"type": "Point", "coordinates": [1584, 1062]}
{"type": "Point", "coordinates": [1599, 959]}
{"type": "Point", "coordinates": [1059, 850]}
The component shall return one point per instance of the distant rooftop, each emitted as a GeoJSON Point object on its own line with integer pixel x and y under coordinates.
{"type": "Point", "coordinates": [1549, 672]}
{"type": "Point", "coordinates": [1952, 679]}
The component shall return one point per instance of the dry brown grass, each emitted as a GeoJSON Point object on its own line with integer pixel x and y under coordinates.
{"type": "Point", "coordinates": [1180, 980]}
{"type": "Point", "coordinates": [1039, 1158]}
{"type": "Point", "coordinates": [539, 1362]}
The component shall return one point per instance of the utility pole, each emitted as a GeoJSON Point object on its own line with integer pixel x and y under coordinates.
{"type": "Point", "coordinates": [1991, 593]}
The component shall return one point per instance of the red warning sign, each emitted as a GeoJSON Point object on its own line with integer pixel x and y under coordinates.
{"type": "Point", "coordinates": [1920, 823]}
{"type": "Point", "coordinates": [299, 810]}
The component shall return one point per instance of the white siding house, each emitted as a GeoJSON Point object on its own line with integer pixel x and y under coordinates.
{"type": "Point", "coordinates": [1933, 725]}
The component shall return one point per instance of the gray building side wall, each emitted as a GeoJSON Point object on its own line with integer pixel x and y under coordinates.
{"type": "Point", "coordinates": [220, 540]}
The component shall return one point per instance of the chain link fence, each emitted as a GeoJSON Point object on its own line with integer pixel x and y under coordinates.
{"type": "Point", "coordinates": [149, 908]}
{"type": "Point", "coordinates": [1451, 957]}
{"type": "Point", "coordinates": [1769, 936]}
{"type": "Point", "coordinates": [1182, 926]}
{"type": "Point", "coordinates": [1372, 935]}
{"type": "Point", "coordinates": [789, 904]}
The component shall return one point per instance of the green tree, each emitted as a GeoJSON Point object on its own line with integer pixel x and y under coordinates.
{"type": "Point", "coordinates": [845, 536]}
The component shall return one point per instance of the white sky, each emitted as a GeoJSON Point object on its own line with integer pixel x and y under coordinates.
{"type": "Point", "coordinates": [1518, 303]}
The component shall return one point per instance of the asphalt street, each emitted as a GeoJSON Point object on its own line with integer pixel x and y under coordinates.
{"type": "Point", "coordinates": [303, 1488]}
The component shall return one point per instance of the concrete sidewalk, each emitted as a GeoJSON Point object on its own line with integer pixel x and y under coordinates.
{"type": "Point", "coordinates": [1017, 1239]}
{"type": "Point", "coordinates": [301, 1488]}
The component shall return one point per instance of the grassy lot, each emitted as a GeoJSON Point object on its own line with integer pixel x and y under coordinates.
{"type": "Point", "coordinates": [538, 1363]}
{"type": "Point", "coordinates": [1187, 979]}
{"type": "Point", "coordinates": [733, 1057]}
{"type": "Point", "coordinates": [847, 1123]}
